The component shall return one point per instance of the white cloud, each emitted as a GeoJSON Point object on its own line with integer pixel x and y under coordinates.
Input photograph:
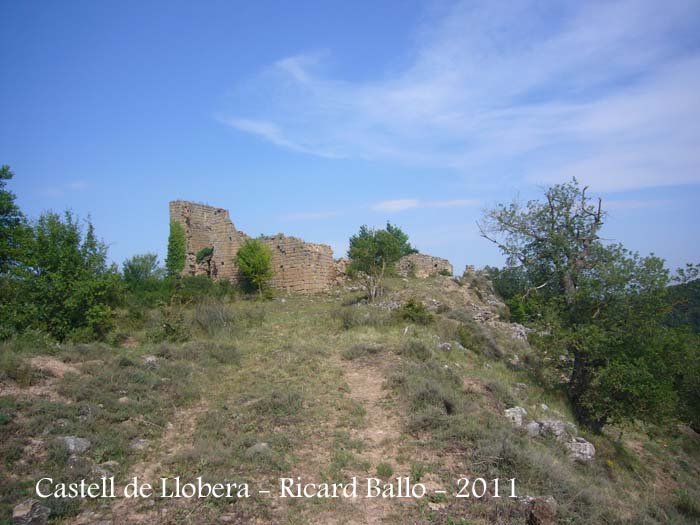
{"type": "Point", "coordinates": [409, 204]}
{"type": "Point", "coordinates": [606, 91]}
{"type": "Point", "coordinates": [396, 205]}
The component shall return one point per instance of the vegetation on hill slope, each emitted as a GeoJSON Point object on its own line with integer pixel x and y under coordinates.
{"type": "Point", "coordinates": [152, 375]}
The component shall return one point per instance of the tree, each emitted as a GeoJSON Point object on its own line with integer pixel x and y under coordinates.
{"type": "Point", "coordinates": [401, 239]}
{"type": "Point", "coordinates": [602, 306]}
{"type": "Point", "coordinates": [140, 269]}
{"type": "Point", "coordinates": [13, 227]}
{"type": "Point", "coordinates": [177, 247]}
{"type": "Point", "coordinates": [67, 287]}
{"type": "Point", "coordinates": [374, 253]}
{"type": "Point", "coordinates": [254, 259]}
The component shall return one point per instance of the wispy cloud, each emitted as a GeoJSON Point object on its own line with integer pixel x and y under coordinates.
{"type": "Point", "coordinates": [410, 204]}
{"type": "Point", "coordinates": [606, 91]}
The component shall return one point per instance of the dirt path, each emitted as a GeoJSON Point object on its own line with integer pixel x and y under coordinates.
{"type": "Point", "coordinates": [381, 433]}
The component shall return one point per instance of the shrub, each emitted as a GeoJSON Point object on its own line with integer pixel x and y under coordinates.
{"type": "Point", "coordinates": [359, 315]}
{"type": "Point", "coordinates": [254, 259]}
{"type": "Point", "coordinates": [213, 316]}
{"type": "Point", "coordinates": [415, 349]}
{"type": "Point", "coordinates": [359, 351]}
{"type": "Point", "coordinates": [472, 336]}
{"type": "Point", "coordinates": [172, 326]}
{"type": "Point", "coordinates": [415, 311]}
{"type": "Point", "coordinates": [384, 470]}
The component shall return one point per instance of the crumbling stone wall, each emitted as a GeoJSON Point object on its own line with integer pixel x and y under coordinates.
{"type": "Point", "coordinates": [208, 227]}
{"type": "Point", "coordinates": [422, 266]}
{"type": "Point", "coordinates": [298, 266]}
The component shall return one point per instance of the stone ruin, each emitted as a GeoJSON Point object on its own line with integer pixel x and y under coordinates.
{"type": "Point", "coordinates": [297, 266]}
{"type": "Point", "coordinates": [422, 266]}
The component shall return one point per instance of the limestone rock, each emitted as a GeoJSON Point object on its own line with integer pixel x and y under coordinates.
{"type": "Point", "coordinates": [259, 449]}
{"type": "Point", "coordinates": [150, 361]}
{"type": "Point", "coordinates": [139, 444]}
{"type": "Point", "coordinates": [30, 512]}
{"type": "Point", "coordinates": [516, 415]}
{"type": "Point", "coordinates": [581, 450]}
{"type": "Point", "coordinates": [560, 430]}
{"type": "Point", "coordinates": [533, 428]}
{"type": "Point", "coordinates": [75, 445]}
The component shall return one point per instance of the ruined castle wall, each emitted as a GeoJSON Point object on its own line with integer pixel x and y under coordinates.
{"type": "Point", "coordinates": [298, 266]}
{"type": "Point", "coordinates": [205, 227]}
{"type": "Point", "coordinates": [422, 266]}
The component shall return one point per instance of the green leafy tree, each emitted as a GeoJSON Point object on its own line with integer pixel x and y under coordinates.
{"type": "Point", "coordinates": [401, 239]}
{"type": "Point", "coordinates": [602, 306]}
{"type": "Point", "coordinates": [13, 226]}
{"type": "Point", "coordinates": [140, 269]}
{"type": "Point", "coordinates": [254, 259]}
{"type": "Point", "coordinates": [68, 288]}
{"type": "Point", "coordinates": [374, 253]}
{"type": "Point", "coordinates": [177, 248]}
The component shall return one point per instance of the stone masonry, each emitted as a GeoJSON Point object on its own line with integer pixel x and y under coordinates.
{"type": "Point", "coordinates": [208, 227]}
{"type": "Point", "coordinates": [422, 266]}
{"type": "Point", "coordinates": [298, 266]}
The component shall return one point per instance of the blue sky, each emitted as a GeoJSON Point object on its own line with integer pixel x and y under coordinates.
{"type": "Point", "coordinates": [312, 118]}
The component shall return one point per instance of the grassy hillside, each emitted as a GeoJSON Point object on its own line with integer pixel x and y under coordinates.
{"type": "Point", "coordinates": [324, 388]}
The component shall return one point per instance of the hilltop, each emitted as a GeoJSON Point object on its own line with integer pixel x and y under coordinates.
{"type": "Point", "coordinates": [431, 382]}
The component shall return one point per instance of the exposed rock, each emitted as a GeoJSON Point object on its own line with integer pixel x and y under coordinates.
{"type": "Point", "coordinates": [150, 361]}
{"type": "Point", "coordinates": [581, 450]}
{"type": "Point", "coordinates": [516, 415]}
{"type": "Point", "coordinates": [560, 430]}
{"type": "Point", "coordinates": [30, 512]}
{"type": "Point", "coordinates": [75, 445]}
{"type": "Point", "coordinates": [542, 511]}
{"type": "Point", "coordinates": [446, 347]}
{"type": "Point", "coordinates": [543, 407]}
{"type": "Point", "coordinates": [139, 444]}
{"type": "Point", "coordinates": [517, 331]}
{"type": "Point", "coordinates": [123, 400]}
{"type": "Point", "coordinates": [533, 428]}
{"type": "Point", "coordinates": [259, 449]}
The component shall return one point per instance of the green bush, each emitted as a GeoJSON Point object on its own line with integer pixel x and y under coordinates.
{"type": "Point", "coordinates": [254, 259]}
{"type": "Point", "coordinates": [177, 248]}
{"type": "Point", "coordinates": [65, 284]}
{"type": "Point", "coordinates": [361, 315]}
{"type": "Point", "coordinates": [415, 311]}
{"type": "Point", "coordinates": [415, 349]}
